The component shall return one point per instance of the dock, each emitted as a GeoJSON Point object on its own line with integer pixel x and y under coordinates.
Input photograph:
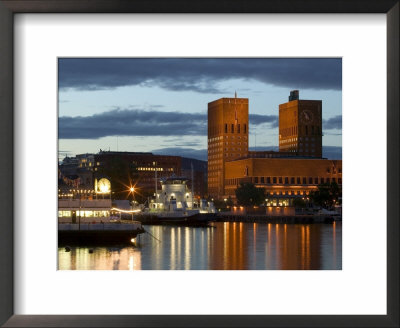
{"type": "Point", "coordinates": [254, 218]}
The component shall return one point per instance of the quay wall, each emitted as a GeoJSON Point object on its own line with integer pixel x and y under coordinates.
{"type": "Point", "coordinates": [276, 219]}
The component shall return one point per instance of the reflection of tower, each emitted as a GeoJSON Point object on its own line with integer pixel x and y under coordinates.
{"type": "Point", "coordinates": [228, 120]}
{"type": "Point", "coordinates": [301, 246]}
{"type": "Point", "coordinates": [229, 248]}
{"type": "Point", "coordinates": [300, 126]}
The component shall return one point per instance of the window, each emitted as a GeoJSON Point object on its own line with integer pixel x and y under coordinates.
{"type": "Point", "coordinates": [304, 180]}
{"type": "Point", "coordinates": [328, 180]}
{"type": "Point", "coordinates": [268, 179]}
{"type": "Point", "coordinates": [316, 180]}
{"type": "Point", "coordinates": [226, 128]}
{"type": "Point", "coordinates": [238, 128]}
{"type": "Point", "coordinates": [286, 180]}
{"type": "Point", "coordinates": [339, 180]}
{"type": "Point", "coordinates": [262, 179]}
{"type": "Point", "coordinates": [306, 129]}
{"type": "Point", "coordinates": [274, 180]}
{"type": "Point", "coordinates": [232, 128]}
{"type": "Point", "coordinates": [322, 180]}
{"type": "Point", "coordinates": [310, 181]}
{"type": "Point", "coordinates": [292, 180]}
{"type": "Point", "coordinates": [280, 179]}
{"type": "Point", "coordinates": [244, 128]}
{"type": "Point", "coordinates": [256, 180]}
{"type": "Point", "coordinates": [298, 180]}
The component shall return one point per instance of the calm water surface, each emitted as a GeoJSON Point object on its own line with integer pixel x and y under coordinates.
{"type": "Point", "coordinates": [226, 246]}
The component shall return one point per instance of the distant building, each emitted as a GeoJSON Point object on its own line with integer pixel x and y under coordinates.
{"type": "Point", "coordinates": [83, 170]}
{"type": "Point", "coordinates": [146, 164]}
{"type": "Point", "coordinates": [228, 134]}
{"type": "Point", "coordinates": [300, 126]}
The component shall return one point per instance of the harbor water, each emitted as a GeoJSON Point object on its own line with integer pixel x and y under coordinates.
{"type": "Point", "coordinates": [224, 246]}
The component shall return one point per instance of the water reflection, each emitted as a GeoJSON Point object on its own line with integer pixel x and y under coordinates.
{"type": "Point", "coordinates": [226, 246]}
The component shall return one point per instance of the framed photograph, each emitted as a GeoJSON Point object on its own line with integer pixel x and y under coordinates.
{"type": "Point", "coordinates": [207, 140]}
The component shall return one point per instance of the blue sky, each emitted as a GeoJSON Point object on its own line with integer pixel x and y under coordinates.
{"type": "Point", "coordinates": [160, 105]}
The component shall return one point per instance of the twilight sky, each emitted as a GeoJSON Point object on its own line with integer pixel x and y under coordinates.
{"type": "Point", "coordinates": [159, 105]}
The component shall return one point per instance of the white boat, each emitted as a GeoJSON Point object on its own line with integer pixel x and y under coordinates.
{"type": "Point", "coordinates": [175, 203]}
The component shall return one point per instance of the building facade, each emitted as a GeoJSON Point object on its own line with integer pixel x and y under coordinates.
{"type": "Point", "coordinates": [282, 178]}
{"type": "Point", "coordinates": [228, 132]}
{"type": "Point", "coordinates": [300, 126]}
{"type": "Point", "coordinates": [146, 164]}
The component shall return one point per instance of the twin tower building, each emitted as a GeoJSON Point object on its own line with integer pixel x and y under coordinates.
{"type": "Point", "coordinates": [294, 171]}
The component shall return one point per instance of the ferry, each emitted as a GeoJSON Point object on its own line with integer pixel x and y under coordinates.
{"type": "Point", "coordinates": [175, 204]}
{"type": "Point", "coordinates": [85, 218]}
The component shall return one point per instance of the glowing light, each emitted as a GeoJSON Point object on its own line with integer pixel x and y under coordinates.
{"type": "Point", "coordinates": [125, 211]}
{"type": "Point", "coordinates": [132, 189]}
{"type": "Point", "coordinates": [133, 240]}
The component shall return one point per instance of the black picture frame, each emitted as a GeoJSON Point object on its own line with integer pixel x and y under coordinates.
{"type": "Point", "coordinates": [10, 7]}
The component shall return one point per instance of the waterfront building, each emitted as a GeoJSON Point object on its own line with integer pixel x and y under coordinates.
{"type": "Point", "coordinates": [283, 179]}
{"type": "Point", "coordinates": [228, 121]}
{"type": "Point", "coordinates": [294, 171]}
{"type": "Point", "coordinates": [300, 126]}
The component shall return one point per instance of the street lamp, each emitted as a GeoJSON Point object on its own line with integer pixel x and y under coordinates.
{"type": "Point", "coordinates": [132, 191]}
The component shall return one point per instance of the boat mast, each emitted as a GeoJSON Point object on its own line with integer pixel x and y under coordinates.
{"type": "Point", "coordinates": [191, 164]}
{"type": "Point", "coordinates": [155, 178]}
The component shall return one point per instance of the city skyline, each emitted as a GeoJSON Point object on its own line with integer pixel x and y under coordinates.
{"type": "Point", "coordinates": [159, 105]}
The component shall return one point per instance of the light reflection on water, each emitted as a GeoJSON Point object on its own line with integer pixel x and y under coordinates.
{"type": "Point", "coordinates": [226, 246]}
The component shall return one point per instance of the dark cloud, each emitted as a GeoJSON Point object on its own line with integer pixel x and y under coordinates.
{"type": "Point", "coordinates": [332, 123]}
{"type": "Point", "coordinates": [124, 122]}
{"type": "Point", "coordinates": [198, 74]}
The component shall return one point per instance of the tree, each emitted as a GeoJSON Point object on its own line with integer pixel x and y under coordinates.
{"type": "Point", "coordinates": [299, 203]}
{"type": "Point", "coordinates": [327, 195]}
{"type": "Point", "coordinates": [249, 195]}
